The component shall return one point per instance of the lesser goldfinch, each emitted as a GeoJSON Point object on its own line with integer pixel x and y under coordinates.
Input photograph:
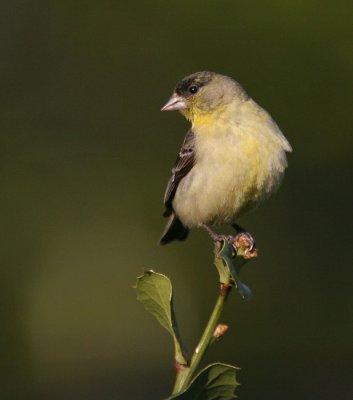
{"type": "Point", "coordinates": [232, 158]}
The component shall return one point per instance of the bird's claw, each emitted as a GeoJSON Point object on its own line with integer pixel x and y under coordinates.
{"type": "Point", "coordinates": [242, 242]}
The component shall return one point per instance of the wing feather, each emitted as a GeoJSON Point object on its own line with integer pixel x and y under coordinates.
{"type": "Point", "coordinates": [182, 166]}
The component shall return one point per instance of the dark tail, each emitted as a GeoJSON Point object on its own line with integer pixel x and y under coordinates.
{"type": "Point", "coordinates": [174, 230]}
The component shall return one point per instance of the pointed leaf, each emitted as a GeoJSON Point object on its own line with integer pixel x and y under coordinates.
{"type": "Point", "coordinates": [215, 382]}
{"type": "Point", "coordinates": [155, 292]}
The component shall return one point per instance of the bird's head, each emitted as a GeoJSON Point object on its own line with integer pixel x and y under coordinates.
{"type": "Point", "coordinates": [204, 93]}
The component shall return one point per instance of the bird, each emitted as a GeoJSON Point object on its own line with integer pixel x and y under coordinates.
{"type": "Point", "coordinates": [232, 158]}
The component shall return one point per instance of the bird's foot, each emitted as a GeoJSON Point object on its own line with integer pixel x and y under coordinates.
{"type": "Point", "coordinates": [214, 236]}
{"type": "Point", "coordinates": [242, 242]}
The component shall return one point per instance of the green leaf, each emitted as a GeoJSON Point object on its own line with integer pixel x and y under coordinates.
{"type": "Point", "coordinates": [215, 382]}
{"type": "Point", "coordinates": [229, 264]}
{"type": "Point", "coordinates": [155, 292]}
{"type": "Point", "coordinates": [223, 260]}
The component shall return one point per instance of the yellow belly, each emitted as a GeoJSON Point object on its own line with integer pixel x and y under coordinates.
{"type": "Point", "coordinates": [233, 172]}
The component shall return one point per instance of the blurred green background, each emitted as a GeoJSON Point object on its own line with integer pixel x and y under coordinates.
{"type": "Point", "coordinates": [85, 157]}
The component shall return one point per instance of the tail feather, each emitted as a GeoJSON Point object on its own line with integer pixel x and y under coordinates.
{"type": "Point", "coordinates": [174, 230]}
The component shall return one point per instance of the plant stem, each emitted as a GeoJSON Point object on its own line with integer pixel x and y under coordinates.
{"type": "Point", "coordinates": [228, 265]}
{"type": "Point", "coordinates": [208, 332]}
{"type": "Point", "coordinates": [182, 374]}
{"type": "Point", "coordinates": [185, 374]}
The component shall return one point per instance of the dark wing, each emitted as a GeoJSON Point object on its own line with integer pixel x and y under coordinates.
{"type": "Point", "coordinates": [175, 230]}
{"type": "Point", "coordinates": [182, 166]}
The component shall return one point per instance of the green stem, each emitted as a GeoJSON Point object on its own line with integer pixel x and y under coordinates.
{"type": "Point", "coordinates": [182, 374]}
{"type": "Point", "coordinates": [230, 255]}
{"type": "Point", "coordinates": [208, 333]}
{"type": "Point", "coordinates": [185, 374]}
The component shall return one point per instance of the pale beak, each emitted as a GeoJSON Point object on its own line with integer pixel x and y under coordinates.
{"type": "Point", "coordinates": [176, 102]}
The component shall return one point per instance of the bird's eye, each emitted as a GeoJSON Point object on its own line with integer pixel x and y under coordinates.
{"type": "Point", "coordinates": [193, 89]}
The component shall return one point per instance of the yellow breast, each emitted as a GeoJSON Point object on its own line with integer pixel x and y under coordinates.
{"type": "Point", "coordinates": [239, 162]}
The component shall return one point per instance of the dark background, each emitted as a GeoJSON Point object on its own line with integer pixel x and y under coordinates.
{"type": "Point", "coordinates": [85, 156]}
